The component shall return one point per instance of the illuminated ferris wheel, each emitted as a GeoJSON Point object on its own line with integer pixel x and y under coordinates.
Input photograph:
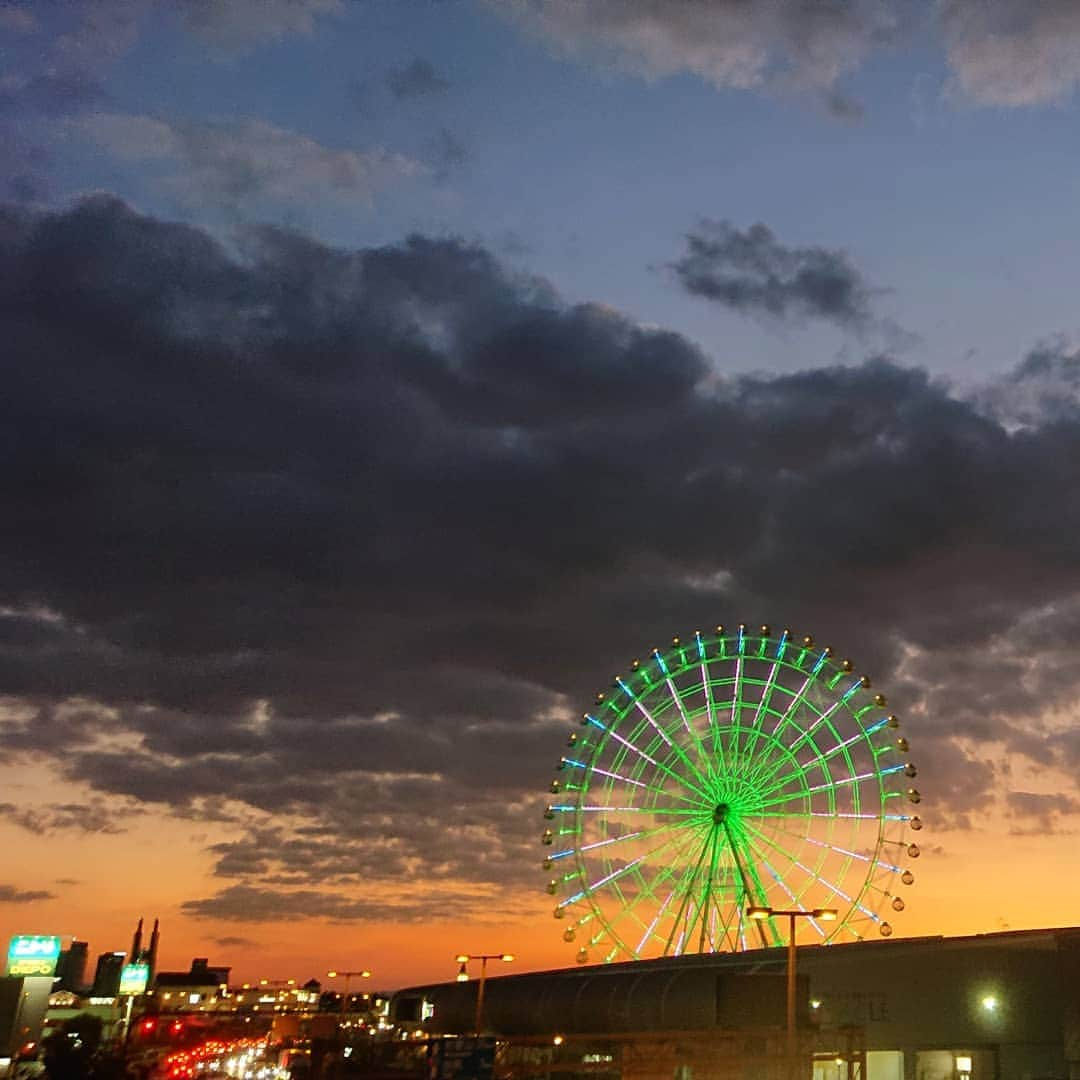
{"type": "Point", "coordinates": [734, 770]}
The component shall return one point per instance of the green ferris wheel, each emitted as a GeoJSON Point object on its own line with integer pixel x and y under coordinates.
{"type": "Point", "coordinates": [734, 769]}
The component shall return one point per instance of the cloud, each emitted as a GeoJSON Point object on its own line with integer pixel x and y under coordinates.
{"type": "Point", "coordinates": [244, 903]}
{"type": "Point", "coordinates": [753, 273]}
{"type": "Point", "coordinates": [11, 895]}
{"type": "Point", "coordinates": [1012, 53]}
{"type": "Point", "coordinates": [80, 817]}
{"type": "Point", "coordinates": [242, 24]}
{"type": "Point", "coordinates": [733, 44]}
{"type": "Point", "coordinates": [234, 941]}
{"type": "Point", "coordinates": [231, 163]}
{"type": "Point", "coordinates": [1009, 53]}
{"type": "Point", "coordinates": [1040, 814]}
{"type": "Point", "coordinates": [1044, 387]}
{"type": "Point", "coordinates": [416, 79]}
{"type": "Point", "coordinates": [329, 546]}
{"type": "Point", "coordinates": [68, 74]}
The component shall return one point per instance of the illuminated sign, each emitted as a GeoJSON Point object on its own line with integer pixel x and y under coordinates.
{"type": "Point", "coordinates": [33, 954]}
{"type": "Point", "coordinates": [133, 978]}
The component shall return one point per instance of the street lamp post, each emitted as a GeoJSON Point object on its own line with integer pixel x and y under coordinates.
{"type": "Point", "coordinates": [463, 959]}
{"type": "Point", "coordinates": [347, 975]}
{"type": "Point", "coordinates": [823, 915]}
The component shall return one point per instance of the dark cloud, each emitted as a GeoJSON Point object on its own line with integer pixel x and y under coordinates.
{"type": "Point", "coordinates": [11, 895]}
{"type": "Point", "coordinates": [245, 903]}
{"type": "Point", "coordinates": [1040, 814]}
{"type": "Point", "coordinates": [329, 546]}
{"type": "Point", "coordinates": [233, 941]}
{"type": "Point", "coordinates": [753, 273]}
{"type": "Point", "coordinates": [80, 817]}
{"type": "Point", "coordinates": [416, 79]}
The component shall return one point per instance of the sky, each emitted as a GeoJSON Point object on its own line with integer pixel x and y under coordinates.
{"type": "Point", "coordinates": [380, 377]}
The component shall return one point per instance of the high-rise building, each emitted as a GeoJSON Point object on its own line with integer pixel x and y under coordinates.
{"type": "Point", "coordinates": [71, 967]}
{"type": "Point", "coordinates": [107, 974]}
{"type": "Point", "coordinates": [147, 956]}
{"type": "Point", "coordinates": [151, 956]}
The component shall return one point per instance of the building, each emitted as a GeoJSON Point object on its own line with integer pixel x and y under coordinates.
{"type": "Point", "coordinates": [201, 988]}
{"type": "Point", "coordinates": [989, 1007]}
{"type": "Point", "coordinates": [71, 967]}
{"type": "Point", "coordinates": [107, 975]}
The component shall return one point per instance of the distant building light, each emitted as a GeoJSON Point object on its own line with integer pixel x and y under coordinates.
{"type": "Point", "coordinates": [990, 1003]}
{"type": "Point", "coordinates": [963, 1064]}
{"type": "Point", "coordinates": [815, 1003]}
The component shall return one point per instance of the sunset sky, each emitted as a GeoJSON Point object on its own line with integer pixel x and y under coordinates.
{"type": "Point", "coordinates": [382, 376]}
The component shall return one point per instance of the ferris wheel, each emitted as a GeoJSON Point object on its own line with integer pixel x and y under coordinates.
{"type": "Point", "coordinates": [734, 770]}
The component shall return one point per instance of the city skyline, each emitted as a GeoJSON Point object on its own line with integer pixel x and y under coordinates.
{"type": "Point", "coordinates": [381, 379]}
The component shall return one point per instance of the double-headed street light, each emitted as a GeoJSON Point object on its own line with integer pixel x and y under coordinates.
{"type": "Point", "coordinates": [347, 975]}
{"type": "Point", "coordinates": [463, 975]}
{"type": "Point", "coordinates": [821, 914]}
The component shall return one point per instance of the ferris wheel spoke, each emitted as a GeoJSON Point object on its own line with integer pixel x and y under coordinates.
{"type": "Point", "coordinates": [660, 811]}
{"type": "Point", "coordinates": [687, 891]}
{"type": "Point", "coordinates": [645, 788]}
{"type": "Point", "coordinates": [618, 873]}
{"type": "Point", "coordinates": [847, 743]}
{"type": "Point", "coordinates": [769, 770]}
{"type": "Point", "coordinates": [785, 888]}
{"type": "Point", "coordinates": [710, 713]}
{"type": "Point", "coordinates": [746, 875]}
{"type": "Point", "coordinates": [678, 750]}
{"type": "Point", "coordinates": [816, 875]}
{"type": "Point", "coordinates": [704, 759]}
{"type": "Point", "coordinates": [649, 888]}
{"type": "Point", "coordinates": [830, 786]}
{"type": "Point", "coordinates": [608, 841]}
{"type": "Point", "coordinates": [681, 781]}
{"type": "Point", "coordinates": [763, 707]}
{"type": "Point", "coordinates": [804, 837]}
{"type": "Point", "coordinates": [706, 903]}
{"type": "Point", "coordinates": [734, 752]}
{"type": "Point", "coordinates": [822, 718]}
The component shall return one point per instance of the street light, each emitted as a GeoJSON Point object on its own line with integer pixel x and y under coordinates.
{"type": "Point", "coordinates": [347, 975]}
{"type": "Point", "coordinates": [463, 975]}
{"type": "Point", "coordinates": [821, 914]}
